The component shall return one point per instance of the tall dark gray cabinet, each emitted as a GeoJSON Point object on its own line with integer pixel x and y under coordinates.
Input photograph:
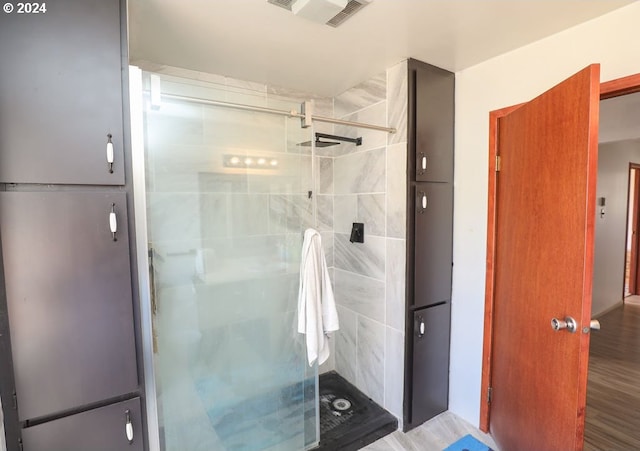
{"type": "Point", "coordinates": [429, 241]}
{"type": "Point", "coordinates": [69, 376]}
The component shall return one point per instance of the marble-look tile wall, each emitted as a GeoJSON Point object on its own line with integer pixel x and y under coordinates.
{"type": "Point", "coordinates": [368, 184]}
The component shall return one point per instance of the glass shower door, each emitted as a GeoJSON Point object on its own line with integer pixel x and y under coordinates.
{"type": "Point", "coordinates": [227, 203]}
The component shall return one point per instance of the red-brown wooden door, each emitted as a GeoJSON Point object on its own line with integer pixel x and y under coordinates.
{"type": "Point", "coordinates": [543, 266]}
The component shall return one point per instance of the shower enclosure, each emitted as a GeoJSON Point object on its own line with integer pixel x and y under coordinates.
{"type": "Point", "coordinates": [228, 195]}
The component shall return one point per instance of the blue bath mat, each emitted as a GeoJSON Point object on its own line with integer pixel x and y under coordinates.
{"type": "Point", "coordinates": [467, 443]}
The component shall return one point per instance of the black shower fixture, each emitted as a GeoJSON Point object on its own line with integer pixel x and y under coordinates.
{"type": "Point", "coordinates": [320, 143]}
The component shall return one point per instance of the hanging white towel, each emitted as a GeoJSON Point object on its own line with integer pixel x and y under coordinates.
{"type": "Point", "coordinates": [317, 315]}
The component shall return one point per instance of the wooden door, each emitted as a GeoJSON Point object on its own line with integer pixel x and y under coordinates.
{"type": "Point", "coordinates": [543, 266]}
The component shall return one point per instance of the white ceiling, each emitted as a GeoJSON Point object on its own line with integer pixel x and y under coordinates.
{"type": "Point", "coordinates": [254, 40]}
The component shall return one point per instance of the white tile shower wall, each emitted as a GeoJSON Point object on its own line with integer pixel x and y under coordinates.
{"type": "Point", "coordinates": [369, 186]}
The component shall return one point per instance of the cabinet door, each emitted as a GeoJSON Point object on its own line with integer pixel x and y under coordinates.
{"type": "Point", "coordinates": [103, 429]}
{"type": "Point", "coordinates": [61, 94]}
{"type": "Point", "coordinates": [434, 119]}
{"type": "Point", "coordinates": [430, 383]}
{"type": "Point", "coordinates": [433, 236]}
{"type": "Point", "coordinates": [69, 301]}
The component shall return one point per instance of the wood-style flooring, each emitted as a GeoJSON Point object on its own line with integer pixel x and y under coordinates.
{"type": "Point", "coordinates": [613, 390]}
{"type": "Point", "coordinates": [613, 396]}
{"type": "Point", "coordinates": [434, 435]}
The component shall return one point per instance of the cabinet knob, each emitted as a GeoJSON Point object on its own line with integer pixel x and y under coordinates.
{"type": "Point", "coordinates": [420, 327]}
{"type": "Point", "coordinates": [423, 163]}
{"type": "Point", "coordinates": [128, 426]}
{"type": "Point", "coordinates": [422, 202]}
{"type": "Point", "coordinates": [110, 153]}
{"type": "Point", "coordinates": [113, 222]}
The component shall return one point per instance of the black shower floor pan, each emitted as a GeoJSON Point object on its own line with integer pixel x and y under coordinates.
{"type": "Point", "coordinates": [349, 420]}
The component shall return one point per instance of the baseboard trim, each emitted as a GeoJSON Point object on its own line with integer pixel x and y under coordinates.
{"type": "Point", "coordinates": [607, 310]}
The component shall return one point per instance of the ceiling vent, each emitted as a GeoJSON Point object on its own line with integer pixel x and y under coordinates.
{"type": "Point", "coordinates": [286, 4]}
{"type": "Point", "coordinates": [319, 11]}
{"type": "Point", "coordinates": [352, 7]}
{"type": "Point", "coordinates": [323, 11]}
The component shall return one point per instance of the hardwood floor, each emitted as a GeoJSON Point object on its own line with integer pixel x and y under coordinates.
{"type": "Point", "coordinates": [435, 434]}
{"type": "Point", "coordinates": [613, 390]}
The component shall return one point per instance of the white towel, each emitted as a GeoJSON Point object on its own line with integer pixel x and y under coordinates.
{"type": "Point", "coordinates": [317, 315]}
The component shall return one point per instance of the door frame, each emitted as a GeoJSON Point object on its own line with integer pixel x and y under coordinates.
{"type": "Point", "coordinates": [632, 213]}
{"type": "Point", "coordinates": [613, 88]}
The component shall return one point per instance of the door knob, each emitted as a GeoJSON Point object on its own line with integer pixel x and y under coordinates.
{"type": "Point", "coordinates": [568, 323]}
{"type": "Point", "coordinates": [594, 324]}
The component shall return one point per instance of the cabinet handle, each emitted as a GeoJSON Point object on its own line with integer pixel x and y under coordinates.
{"type": "Point", "coordinates": [128, 426]}
{"type": "Point", "coordinates": [423, 163]}
{"type": "Point", "coordinates": [110, 153]}
{"type": "Point", "coordinates": [113, 222]}
{"type": "Point", "coordinates": [423, 202]}
{"type": "Point", "coordinates": [420, 327]}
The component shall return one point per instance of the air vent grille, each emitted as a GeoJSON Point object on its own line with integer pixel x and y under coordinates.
{"type": "Point", "coordinates": [352, 7]}
{"type": "Point", "coordinates": [286, 4]}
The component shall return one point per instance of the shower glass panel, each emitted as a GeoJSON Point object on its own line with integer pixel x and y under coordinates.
{"type": "Point", "coordinates": [228, 200]}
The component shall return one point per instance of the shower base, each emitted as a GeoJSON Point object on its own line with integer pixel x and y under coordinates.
{"type": "Point", "coordinates": [349, 420]}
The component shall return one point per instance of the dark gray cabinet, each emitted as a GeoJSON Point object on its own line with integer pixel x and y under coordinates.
{"type": "Point", "coordinates": [61, 94]}
{"type": "Point", "coordinates": [431, 362]}
{"type": "Point", "coordinates": [433, 115]}
{"type": "Point", "coordinates": [68, 309]}
{"type": "Point", "coordinates": [80, 433]}
{"type": "Point", "coordinates": [429, 241]}
{"type": "Point", "coordinates": [69, 299]}
{"type": "Point", "coordinates": [432, 243]}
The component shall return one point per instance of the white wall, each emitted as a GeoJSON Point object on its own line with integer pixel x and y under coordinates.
{"type": "Point", "coordinates": [613, 41]}
{"type": "Point", "coordinates": [613, 178]}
